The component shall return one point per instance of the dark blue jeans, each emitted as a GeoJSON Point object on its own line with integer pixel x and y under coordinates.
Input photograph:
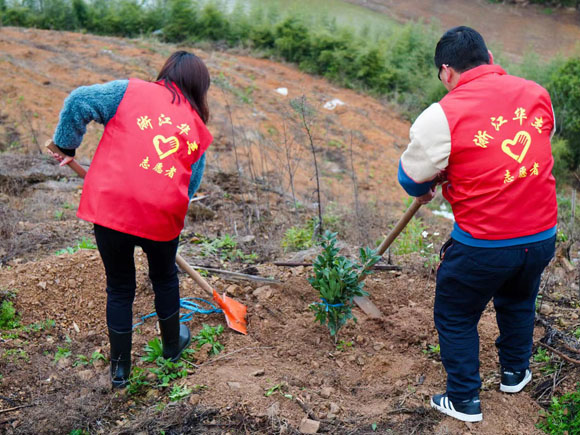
{"type": "Point", "coordinates": [467, 279]}
{"type": "Point", "coordinates": [117, 251]}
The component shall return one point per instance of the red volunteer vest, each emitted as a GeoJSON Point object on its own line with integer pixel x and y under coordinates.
{"type": "Point", "coordinates": [499, 178]}
{"type": "Point", "coordinates": [138, 180]}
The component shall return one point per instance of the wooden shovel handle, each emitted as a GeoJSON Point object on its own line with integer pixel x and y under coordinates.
{"type": "Point", "coordinates": [399, 226]}
{"type": "Point", "coordinates": [395, 232]}
{"type": "Point", "coordinates": [194, 274]}
{"type": "Point", "coordinates": [73, 164]}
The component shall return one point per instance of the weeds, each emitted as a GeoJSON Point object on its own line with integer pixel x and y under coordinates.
{"type": "Point", "coordinates": [210, 335]}
{"type": "Point", "coordinates": [342, 345]}
{"type": "Point", "coordinates": [167, 371]}
{"type": "Point", "coordinates": [410, 239]}
{"type": "Point", "coordinates": [563, 416]}
{"type": "Point", "coordinates": [297, 238]}
{"type": "Point", "coordinates": [542, 356]}
{"type": "Point", "coordinates": [178, 392]}
{"type": "Point", "coordinates": [83, 244]}
{"type": "Point", "coordinates": [432, 349]}
{"type": "Point", "coordinates": [226, 248]}
{"type": "Point", "coordinates": [13, 354]}
{"type": "Point", "coordinates": [153, 350]}
{"type": "Point", "coordinates": [9, 318]}
{"type": "Point", "coordinates": [61, 353]}
{"type": "Point", "coordinates": [83, 360]}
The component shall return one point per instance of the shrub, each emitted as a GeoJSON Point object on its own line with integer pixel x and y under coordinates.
{"type": "Point", "coordinates": [337, 280]}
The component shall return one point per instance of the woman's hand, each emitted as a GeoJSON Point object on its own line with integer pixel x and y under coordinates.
{"type": "Point", "coordinates": [64, 160]}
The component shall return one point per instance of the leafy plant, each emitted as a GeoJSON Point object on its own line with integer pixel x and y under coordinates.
{"type": "Point", "coordinates": [297, 238]}
{"type": "Point", "coordinates": [61, 352]}
{"type": "Point", "coordinates": [39, 326]}
{"type": "Point", "coordinates": [542, 356]}
{"type": "Point", "coordinates": [410, 239]}
{"type": "Point", "coordinates": [563, 416]}
{"type": "Point", "coordinates": [337, 280]}
{"type": "Point", "coordinates": [137, 381]}
{"type": "Point", "coordinates": [83, 244]}
{"type": "Point", "coordinates": [432, 349]}
{"type": "Point", "coordinates": [85, 360]}
{"type": "Point", "coordinates": [342, 345]}
{"type": "Point", "coordinates": [166, 371]}
{"type": "Point", "coordinates": [178, 392]}
{"type": "Point", "coordinates": [9, 318]}
{"type": "Point", "coordinates": [17, 353]}
{"type": "Point", "coordinates": [226, 248]}
{"type": "Point", "coordinates": [153, 350]}
{"type": "Point", "coordinates": [210, 334]}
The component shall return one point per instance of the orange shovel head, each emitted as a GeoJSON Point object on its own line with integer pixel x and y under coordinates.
{"type": "Point", "coordinates": [235, 312]}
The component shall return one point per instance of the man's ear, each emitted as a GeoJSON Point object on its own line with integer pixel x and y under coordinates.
{"type": "Point", "coordinates": [490, 57]}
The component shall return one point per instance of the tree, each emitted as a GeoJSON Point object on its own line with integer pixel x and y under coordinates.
{"type": "Point", "coordinates": [565, 91]}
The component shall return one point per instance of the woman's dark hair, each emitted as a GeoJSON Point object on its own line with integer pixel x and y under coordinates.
{"type": "Point", "coordinates": [461, 48]}
{"type": "Point", "coordinates": [189, 73]}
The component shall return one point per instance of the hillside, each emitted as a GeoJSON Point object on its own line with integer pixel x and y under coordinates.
{"type": "Point", "coordinates": [377, 379]}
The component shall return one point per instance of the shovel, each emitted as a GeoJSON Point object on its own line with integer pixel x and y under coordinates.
{"type": "Point", "coordinates": [234, 311]}
{"type": "Point", "coordinates": [364, 302]}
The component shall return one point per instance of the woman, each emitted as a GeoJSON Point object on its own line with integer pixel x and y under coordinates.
{"type": "Point", "coordinates": [148, 165]}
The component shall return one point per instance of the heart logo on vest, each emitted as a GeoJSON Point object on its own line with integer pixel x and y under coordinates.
{"type": "Point", "coordinates": [523, 140]}
{"type": "Point", "coordinates": [172, 142]}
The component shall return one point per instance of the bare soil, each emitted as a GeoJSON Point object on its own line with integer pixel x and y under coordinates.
{"type": "Point", "coordinates": [381, 383]}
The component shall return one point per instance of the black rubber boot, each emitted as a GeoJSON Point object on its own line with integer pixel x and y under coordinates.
{"type": "Point", "coordinates": [120, 357]}
{"type": "Point", "coordinates": [175, 337]}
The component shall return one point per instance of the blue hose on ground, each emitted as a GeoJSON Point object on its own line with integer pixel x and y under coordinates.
{"type": "Point", "coordinates": [191, 308]}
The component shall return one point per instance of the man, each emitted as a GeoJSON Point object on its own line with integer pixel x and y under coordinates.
{"type": "Point", "coordinates": [489, 139]}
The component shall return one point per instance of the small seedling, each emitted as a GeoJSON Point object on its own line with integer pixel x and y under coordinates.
{"type": "Point", "coordinates": [210, 335]}
{"type": "Point", "coordinates": [16, 353]}
{"type": "Point", "coordinates": [298, 238]}
{"type": "Point", "coordinates": [153, 350]}
{"type": "Point", "coordinates": [432, 349]}
{"type": "Point", "coordinates": [84, 360]}
{"type": "Point", "coordinates": [342, 345]}
{"type": "Point", "coordinates": [178, 392]}
{"type": "Point", "coordinates": [9, 318]}
{"type": "Point", "coordinates": [542, 356]}
{"type": "Point", "coordinates": [137, 381]}
{"type": "Point", "coordinates": [39, 326]}
{"type": "Point", "coordinates": [281, 388]}
{"type": "Point", "coordinates": [62, 352]}
{"type": "Point", "coordinates": [166, 371]}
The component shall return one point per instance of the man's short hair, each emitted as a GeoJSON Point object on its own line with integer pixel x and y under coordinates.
{"type": "Point", "coordinates": [461, 48]}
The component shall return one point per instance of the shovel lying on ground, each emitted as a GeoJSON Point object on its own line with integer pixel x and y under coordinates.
{"type": "Point", "coordinates": [234, 311]}
{"type": "Point", "coordinates": [364, 302]}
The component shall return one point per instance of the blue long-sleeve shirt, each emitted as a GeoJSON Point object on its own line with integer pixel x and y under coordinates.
{"type": "Point", "coordinates": [99, 103]}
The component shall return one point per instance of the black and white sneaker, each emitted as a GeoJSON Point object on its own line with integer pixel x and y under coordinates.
{"type": "Point", "coordinates": [465, 410]}
{"type": "Point", "coordinates": [514, 382]}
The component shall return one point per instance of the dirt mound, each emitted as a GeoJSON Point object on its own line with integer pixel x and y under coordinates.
{"type": "Point", "coordinates": [380, 373]}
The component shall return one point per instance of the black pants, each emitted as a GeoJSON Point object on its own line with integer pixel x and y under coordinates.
{"type": "Point", "coordinates": [468, 278]}
{"type": "Point", "coordinates": [117, 251]}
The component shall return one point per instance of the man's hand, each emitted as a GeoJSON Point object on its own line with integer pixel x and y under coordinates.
{"type": "Point", "coordinates": [427, 197]}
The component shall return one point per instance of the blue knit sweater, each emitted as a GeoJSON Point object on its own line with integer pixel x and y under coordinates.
{"type": "Point", "coordinates": [99, 103]}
